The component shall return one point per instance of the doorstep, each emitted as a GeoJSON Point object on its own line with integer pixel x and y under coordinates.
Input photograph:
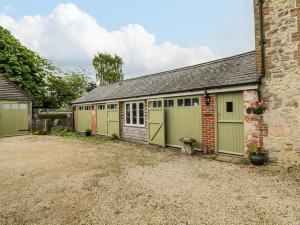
{"type": "Point", "coordinates": [227, 158]}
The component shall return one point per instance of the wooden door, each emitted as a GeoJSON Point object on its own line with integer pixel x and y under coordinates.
{"type": "Point", "coordinates": [113, 124]}
{"type": "Point", "coordinates": [230, 123]}
{"type": "Point", "coordinates": [156, 122]}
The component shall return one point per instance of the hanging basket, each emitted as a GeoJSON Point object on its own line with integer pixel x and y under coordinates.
{"type": "Point", "coordinates": [258, 111]}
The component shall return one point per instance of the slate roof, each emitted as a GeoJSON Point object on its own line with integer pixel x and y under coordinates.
{"type": "Point", "coordinates": [233, 71]}
{"type": "Point", "coordinates": [9, 91]}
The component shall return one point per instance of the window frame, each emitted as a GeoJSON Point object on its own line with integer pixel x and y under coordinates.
{"type": "Point", "coordinates": [137, 114]}
{"type": "Point", "coordinates": [191, 102]}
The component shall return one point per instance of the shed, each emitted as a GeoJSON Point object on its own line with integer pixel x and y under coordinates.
{"type": "Point", "coordinates": [15, 109]}
{"type": "Point", "coordinates": [206, 102]}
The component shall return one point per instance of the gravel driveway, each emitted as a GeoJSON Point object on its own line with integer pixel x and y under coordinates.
{"type": "Point", "coordinates": [53, 180]}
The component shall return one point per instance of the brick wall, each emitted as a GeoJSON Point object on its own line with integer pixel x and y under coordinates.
{"type": "Point", "coordinates": [94, 119]}
{"type": "Point", "coordinates": [132, 133]}
{"type": "Point", "coordinates": [281, 84]}
{"type": "Point", "coordinates": [208, 124]}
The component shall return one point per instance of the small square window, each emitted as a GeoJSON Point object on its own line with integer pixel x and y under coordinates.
{"type": "Point", "coordinates": [229, 106]}
{"type": "Point", "coordinates": [180, 102]}
{"type": "Point", "coordinates": [187, 102]}
{"type": "Point", "coordinates": [195, 101]}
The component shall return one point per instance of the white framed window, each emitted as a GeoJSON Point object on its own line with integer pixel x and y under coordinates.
{"type": "Point", "coordinates": [135, 114]}
{"type": "Point", "coordinates": [188, 102]}
{"type": "Point", "coordinates": [112, 106]}
{"type": "Point", "coordinates": [101, 107]}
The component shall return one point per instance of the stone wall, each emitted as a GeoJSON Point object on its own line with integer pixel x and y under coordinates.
{"type": "Point", "coordinates": [281, 83]}
{"type": "Point", "coordinates": [208, 124]}
{"type": "Point", "coordinates": [132, 133]}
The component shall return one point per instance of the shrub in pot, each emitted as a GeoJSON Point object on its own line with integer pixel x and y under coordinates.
{"type": "Point", "coordinates": [257, 157]}
{"type": "Point", "coordinates": [259, 107]}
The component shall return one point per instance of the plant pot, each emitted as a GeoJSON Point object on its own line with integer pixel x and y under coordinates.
{"type": "Point", "coordinates": [258, 160]}
{"type": "Point", "coordinates": [258, 111]}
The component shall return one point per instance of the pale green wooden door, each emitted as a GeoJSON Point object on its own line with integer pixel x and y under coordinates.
{"type": "Point", "coordinates": [84, 118]}
{"type": "Point", "coordinates": [230, 123]}
{"type": "Point", "coordinates": [183, 119]}
{"type": "Point", "coordinates": [14, 118]}
{"type": "Point", "coordinates": [102, 119]}
{"type": "Point", "coordinates": [113, 124]}
{"type": "Point", "coordinates": [156, 122]}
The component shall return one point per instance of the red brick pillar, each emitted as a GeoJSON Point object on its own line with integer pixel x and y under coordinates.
{"type": "Point", "coordinates": [94, 119]}
{"type": "Point", "coordinates": [208, 124]}
{"type": "Point", "coordinates": [75, 115]}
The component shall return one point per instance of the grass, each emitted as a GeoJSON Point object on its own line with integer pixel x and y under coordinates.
{"type": "Point", "coordinates": [66, 133]}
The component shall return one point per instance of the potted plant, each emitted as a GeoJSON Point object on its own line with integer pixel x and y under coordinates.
{"type": "Point", "coordinates": [259, 107]}
{"type": "Point", "coordinates": [257, 157]}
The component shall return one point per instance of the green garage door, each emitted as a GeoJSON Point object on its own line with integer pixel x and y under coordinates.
{"type": "Point", "coordinates": [230, 123]}
{"type": "Point", "coordinates": [156, 122]}
{"type": "Point", "coordinates": [14, 118]}
{"type": "Point", "coordinates": [102, 119]}
{"type": "Point", "coordinates": [113, 125]}
{"type": "Point", "coordinates": [183, 119]}
{"type": "Point", "coordinates": [84, 118]}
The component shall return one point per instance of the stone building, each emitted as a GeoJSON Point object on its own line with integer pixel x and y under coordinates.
{"type": "Point", "coordinates": [277, 24]}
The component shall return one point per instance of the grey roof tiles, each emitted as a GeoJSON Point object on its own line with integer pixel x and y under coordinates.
{"type": "Point", "coordinates": [233, 71]}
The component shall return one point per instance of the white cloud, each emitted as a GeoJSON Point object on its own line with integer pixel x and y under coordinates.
{"type": "Point", "coordinates": [71, 37]}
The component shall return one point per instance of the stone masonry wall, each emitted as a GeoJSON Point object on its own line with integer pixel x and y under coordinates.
{"type": "Point", "coordinates": [281, 83]}
{"type": "Point", "coordinates": [208, 124]}
{"type": "Point", "coordinates": [254, 127]}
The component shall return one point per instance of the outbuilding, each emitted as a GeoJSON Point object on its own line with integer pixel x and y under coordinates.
{"type": "Point", "coordinates": [15, 109]}
{"type": "Point", "coordinates": [206, 102]}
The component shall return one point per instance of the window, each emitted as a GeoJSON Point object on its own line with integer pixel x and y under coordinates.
{"type": "Point", "coordinates": [101, 107]}
{"type": "Point", "coordinates": [229, 106]}
{"type": "Point", "coordinates": [112, 106]}
{"type": "Point", "coordinates": [188, 102]}
{"type": "Point", "coordinates": [156, 104]}
{"type": "Point", "coordinates": [195, 101]}
{"type": "Point", "coordinates": [87, 107]}
{"type": "Point", "coordinates": [135, 114]}
{"type": "Point", "coordinates": [169, 103]}
{"type": "Point", "coordinates": [180, 102]}
{"type": "Point", "coordinates": [8, 106]}
{"type": "Point", "coordinates": [23, 106]}
{"type": "Point", "coordinates": [80, 107]}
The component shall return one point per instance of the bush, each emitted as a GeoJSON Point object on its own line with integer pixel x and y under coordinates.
{"type": "Point", "coordinates": [88, 132]}
{"type": "Point", "coordinates": [114, 136]}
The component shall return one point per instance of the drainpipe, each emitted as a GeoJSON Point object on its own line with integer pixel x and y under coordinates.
{"type": "Point", "coordinates": [262, 36]}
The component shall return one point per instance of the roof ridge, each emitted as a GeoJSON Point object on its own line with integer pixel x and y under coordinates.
{"type": "Point", "coordinates": [190, 67]}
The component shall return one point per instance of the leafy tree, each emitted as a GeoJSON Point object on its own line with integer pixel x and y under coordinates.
{"type": "Point", "coordinates": [50, 87]}
{"type": "Point", "coordinates": [108, 68]}
{"type": "Point", "coordinates": [24, 67]}
{"type": "Point", "coordinates": [64, 89]}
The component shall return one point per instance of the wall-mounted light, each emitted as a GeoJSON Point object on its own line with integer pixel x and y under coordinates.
{"type": "Point", "coordinates": [207, 98]}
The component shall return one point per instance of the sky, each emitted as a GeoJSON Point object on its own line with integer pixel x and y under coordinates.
{"type": "Point", "coordinates": [151, 36]}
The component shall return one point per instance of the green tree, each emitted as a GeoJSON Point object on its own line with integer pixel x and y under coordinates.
{"type": "Point", "coordinates": [64, 89]}
{"type": "Point", "coordinates": [108, 68]}
{"type": "Point", "coordinates": [24, 67]}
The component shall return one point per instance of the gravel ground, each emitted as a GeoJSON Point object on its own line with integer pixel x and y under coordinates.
{"type": "Point", "coordinates": [53, 180]}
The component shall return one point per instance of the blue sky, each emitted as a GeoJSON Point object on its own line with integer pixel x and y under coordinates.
{"type": "Point", "coordinates": [226, 27]}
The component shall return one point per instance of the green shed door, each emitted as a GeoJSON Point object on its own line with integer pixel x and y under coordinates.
{"type": "Point", "coordinates": [230, 123]}
{"type": "Point", "coordinates": [183, 119]}
{"type": "Point", "coordinates": [156, 122]}
{"type": "Point", "coordinates": [84, 118]}
{"type": "Point", "coordinates": [113, 124]}
{"type": "Point", "coordinates": [102, 119]}
{"type": "Point", "coordinates": [14, 118]}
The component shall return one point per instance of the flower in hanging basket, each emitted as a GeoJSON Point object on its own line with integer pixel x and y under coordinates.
{"type": "Point", "coordinates": [259, 107]}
